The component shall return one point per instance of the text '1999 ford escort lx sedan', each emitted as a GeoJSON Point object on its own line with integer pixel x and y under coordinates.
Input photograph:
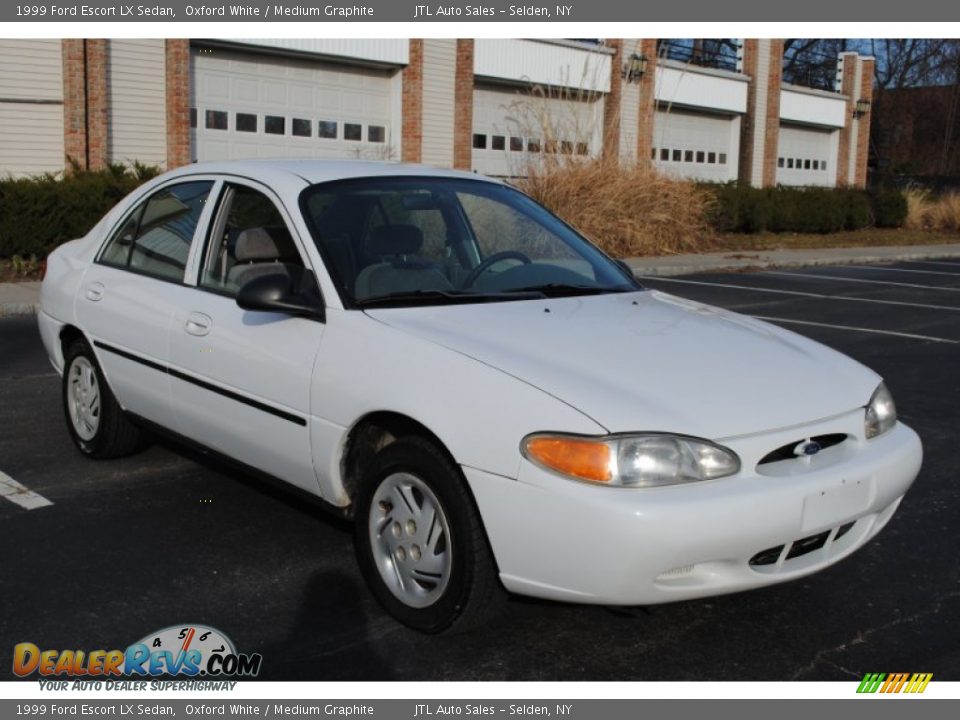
{"type": "Point", "coordinates": [497, 403]}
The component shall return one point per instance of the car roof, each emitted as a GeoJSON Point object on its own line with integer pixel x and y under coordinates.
{"type": "Point", "coordinates": [312, 170]}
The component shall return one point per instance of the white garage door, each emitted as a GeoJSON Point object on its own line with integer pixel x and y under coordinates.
{"type": "Point", "coordinates": [249, 105]}
{"type": "Point", "coordinates": [807, 156]}
{"type": "Point", "coordinates": [696, 145]}
{"type": "Point", "coordinates": [514, 127]}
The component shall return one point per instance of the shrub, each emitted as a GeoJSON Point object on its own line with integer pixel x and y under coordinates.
{"type": "Point", "coordinates": [924, 212]}
{"type": "Point", "coordinates": [741, 208]}
{"type": "Point", "coordinates": [38, 213]}
{"type": "Point", "coordinates": [889, 208]}
{"type": "Point", "coordinates": [626, 210]}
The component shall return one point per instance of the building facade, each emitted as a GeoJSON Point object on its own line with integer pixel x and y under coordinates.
{"type": "Point", "coordinates": [490, 105]}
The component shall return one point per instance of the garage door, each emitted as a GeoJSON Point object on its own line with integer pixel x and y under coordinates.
{"type": "Point", "coordinates": [514, 127]}
{"type": "Point", "coordinates": [249, 105]}
{"type": "Point", "coordinates": [696, 145]}
{"type": "Point", "coordinates": [807, 156]}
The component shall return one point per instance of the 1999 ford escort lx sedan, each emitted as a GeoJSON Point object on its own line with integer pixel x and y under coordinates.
{"type": "Point", "coordinates": [495, 402]}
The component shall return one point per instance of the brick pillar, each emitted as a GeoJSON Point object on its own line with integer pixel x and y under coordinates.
{"type": "Point", "coordinates": [178, 102]}
{"type": "Point", "coordinates": [412, 104]}
{"type": "Point", "coordinates": [648, 48]}
{"type": "Point", "coordinates": [97, 104]}
{"type": "Point", "coordinates": [847, 71]}
{"type": "Point", "coordinates": [463, 107]}
{"type": "Point", "coordinates": [760, 127]}
{"type": "Point", "coordinates": [771, 140]}
{"type": "Point", "coordinates": [74, 103]}
{"type": "Point", "coordinates": [863, 123]}
{"type": "Point", "coordinates": [612, 105]}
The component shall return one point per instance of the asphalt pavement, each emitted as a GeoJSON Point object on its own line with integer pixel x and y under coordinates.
{"type": "Point", "coordinates": [169, 536]}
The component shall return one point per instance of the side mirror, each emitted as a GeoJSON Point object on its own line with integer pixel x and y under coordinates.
{"type": "Point", "coordinates": [275, 293]}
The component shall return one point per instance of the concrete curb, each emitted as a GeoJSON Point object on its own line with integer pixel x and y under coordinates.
{"type": "Point", "coordinates": [18, 309]}
{"type": "Point", "coordinates": [19, 298]}
{"type": "Point", "coordinates": [762, 260]}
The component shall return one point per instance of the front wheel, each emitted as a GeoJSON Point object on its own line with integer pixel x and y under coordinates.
{"type": "Point", "coordinates": [420, 542]}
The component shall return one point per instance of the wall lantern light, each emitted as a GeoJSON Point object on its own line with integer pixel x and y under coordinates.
{"type": "Point", "coordinates": [861, 108]}
{"type": "Point", "coordinates": [634, 68]}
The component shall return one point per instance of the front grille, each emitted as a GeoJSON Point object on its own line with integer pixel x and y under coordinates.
{"type": "Point", "coordinates": [787, 452]}
{"type": "Point", "coordinates": [799, 548]}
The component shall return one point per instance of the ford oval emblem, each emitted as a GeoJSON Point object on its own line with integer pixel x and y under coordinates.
{"type": "Point", "coordinates": [807, 448]}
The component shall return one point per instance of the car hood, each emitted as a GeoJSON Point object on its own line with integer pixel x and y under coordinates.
{"type": "Point", "coordinates": [650, 361]}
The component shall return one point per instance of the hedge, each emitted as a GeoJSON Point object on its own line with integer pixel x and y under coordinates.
{"type": "Point", "coordinates": [38, 213]}
{"type": "Point", "coordinates": [741, 208]}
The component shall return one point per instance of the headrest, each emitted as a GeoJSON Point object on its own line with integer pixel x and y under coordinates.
{"type": "Point", "coordinates": [260, 243]}
{"type": "Point", "coordinates": [395, 240]}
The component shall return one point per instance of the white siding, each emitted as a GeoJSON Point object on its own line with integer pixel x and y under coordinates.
{"type": "Point", "coordinates": [389, 51]}
{"type": "Point", "coordinates": [504, 114]}
{"type": "Point", "coordinates": [695, 87]}
{"type": "Point", "coordinates": [136, 89]}
{"type": "Point", "coordinates": [696, 145]}
{"type": "Point", "coordinates": [439, 86]}
{"type": "Point", "coordinates": [542, 63]}
{"type": "Point", "coordinates": [31, 132]}
{"type": "Point", "coordinates": [812, 107]}
{"type": "Point", "coordinates": [807, 156]}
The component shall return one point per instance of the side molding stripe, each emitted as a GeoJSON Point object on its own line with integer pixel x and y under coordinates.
{"type": "Point", "coordinates": [276, 412]}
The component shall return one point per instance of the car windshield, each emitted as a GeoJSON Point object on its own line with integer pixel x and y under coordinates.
{"type": "Point", "coordinates": [398, 241]}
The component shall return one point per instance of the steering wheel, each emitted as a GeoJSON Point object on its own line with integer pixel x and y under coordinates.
{"type": "Point", "coordinates": [492, 260]}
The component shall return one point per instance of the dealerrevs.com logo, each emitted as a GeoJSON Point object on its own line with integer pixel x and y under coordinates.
{"type": "Point", "coordinates": [910, 683]}
{"type": "Point", "coordinates": [185, 650]}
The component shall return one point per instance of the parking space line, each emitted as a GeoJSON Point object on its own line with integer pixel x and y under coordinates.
{"type": "Point", "coordinates": [798, 293]}
{"type": "Point", "coordinates": [23, 496]}
{"type": "Point", "coordinates": [852, 328]}
{"type": "Point", "coordinates": [906, 270]}
{"type": "Point", "coordinates": [841, 278]}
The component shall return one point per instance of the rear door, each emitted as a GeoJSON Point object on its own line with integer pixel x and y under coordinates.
{"type": "Point", "coordinates": [240, 380]}
{"type": "Point", "coordinates": [129, 294]}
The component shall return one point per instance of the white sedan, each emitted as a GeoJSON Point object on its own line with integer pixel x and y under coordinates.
{"type": "Point", "coordinates": [494, 401]}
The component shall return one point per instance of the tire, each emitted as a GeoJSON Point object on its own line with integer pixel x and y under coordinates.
{"type": "Point", "coordinates": [97, 424]}
{"type": "Point", "coordinates": [420, 542]}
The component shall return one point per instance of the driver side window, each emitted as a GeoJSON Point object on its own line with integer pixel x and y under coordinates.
{"type": "Point", "coordinates": [249, 238]}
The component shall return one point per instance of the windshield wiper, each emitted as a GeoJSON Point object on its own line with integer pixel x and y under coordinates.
{"type": "Point", "coordinates": [446, 297]}
{"type": "Point", "coordinates": [566, 290]}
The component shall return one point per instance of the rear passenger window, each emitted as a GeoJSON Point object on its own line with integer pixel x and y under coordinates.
{"type": "Point", "coordinates": [155, 240]}
{"type": "Point", "coordinates": [249, 238]}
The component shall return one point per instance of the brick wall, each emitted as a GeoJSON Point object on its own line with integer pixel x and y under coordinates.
{"type": "Point", "coordinates": [863, 130]}
{"type": "Point", "coordinates": [847, 87]}
{"type": "Point", "coordinates": [97, 104]}
{"type": "Point", "coordinates": [771, 138]}
{"type": "Point", "coordinates": [74, 103]}
{"type": "Point", "coordinates": [177, 55]}
{"type": "Point", "coordinates": [612, 104]}
{"type": "Point", "coordinates": [463, 107]}
{"type": "Point", "coordinates": [648, 48]}
{"type": "Point", "coordinates": [412, 104]}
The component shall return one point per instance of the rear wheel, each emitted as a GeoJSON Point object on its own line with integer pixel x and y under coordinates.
{"type": "Point", "coordinates": [96, 421]}
{"type": "Point", "coordinates": [420, 542]}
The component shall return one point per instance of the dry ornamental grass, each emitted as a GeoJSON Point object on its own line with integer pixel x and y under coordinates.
{"type": "Point", "coordinates": [924, 212]}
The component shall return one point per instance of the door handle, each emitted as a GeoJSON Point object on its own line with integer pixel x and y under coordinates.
{"type": "Point", "coordinates": [198, 324]}
{"type": "Point", "coordinates": [94, 291]}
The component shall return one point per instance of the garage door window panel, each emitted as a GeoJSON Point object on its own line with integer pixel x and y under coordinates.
{"type": "Point", "coordinates": [249, 238]}
{"type": "Point", "coordinates": [327, 129]}
{"type": "Point", "coordinates": [216, 120]}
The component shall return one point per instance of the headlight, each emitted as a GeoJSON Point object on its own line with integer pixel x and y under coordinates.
{"type": "Point", "coordinates": [643, 460]}
{"type": "Point", "coordinates": [881, 413]}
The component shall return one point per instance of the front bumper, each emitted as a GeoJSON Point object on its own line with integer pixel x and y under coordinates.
{"type": "Point", "coordinates": [564, 540]}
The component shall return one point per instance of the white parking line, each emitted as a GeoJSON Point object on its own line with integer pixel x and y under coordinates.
{"type": "Point", "coordinates": [798, 293]}
{"type": "Point", "coordinates": [23, 496]}
{"type": "Point", "coordinates": [874, 331]}
{"type": "Point", "coordinates": [906, 270]}
{"type": "Point", "coordinates": [862, 280]}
